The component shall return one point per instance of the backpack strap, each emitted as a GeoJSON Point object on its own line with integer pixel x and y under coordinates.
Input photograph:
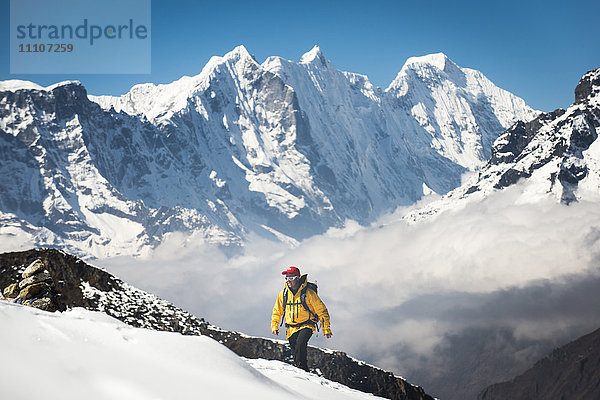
{"type": "Point", "coordinates": [285, 296]}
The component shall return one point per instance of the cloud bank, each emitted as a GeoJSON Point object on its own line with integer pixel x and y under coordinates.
{"type": "Point", "coordinates": [497, 282]}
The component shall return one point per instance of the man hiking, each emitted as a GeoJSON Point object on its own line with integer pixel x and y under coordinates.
{"type": "Point", "coordinates": [302, 309]}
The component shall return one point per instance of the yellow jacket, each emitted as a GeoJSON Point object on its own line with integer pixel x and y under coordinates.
{"type": "Point", "coordinates": [296, 314]}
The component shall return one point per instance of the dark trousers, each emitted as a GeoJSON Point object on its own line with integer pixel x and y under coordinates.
{"type": "Point", "coordinates": [298, 343]}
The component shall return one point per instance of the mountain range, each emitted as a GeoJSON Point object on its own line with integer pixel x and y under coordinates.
{"type": "Point", "coordinates": [280, 149]}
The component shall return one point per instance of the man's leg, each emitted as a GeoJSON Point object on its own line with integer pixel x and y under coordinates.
{"type": "Point", "coordinates": [293, 339]}
{"type": "Point", "coordinates": [299, 347]}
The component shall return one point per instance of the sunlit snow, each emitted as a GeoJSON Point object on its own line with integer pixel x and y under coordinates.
{"type": "Point", "coordinates": [81, 354]}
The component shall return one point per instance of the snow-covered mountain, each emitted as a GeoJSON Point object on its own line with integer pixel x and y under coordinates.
{"type": "Point", "coordinates": [555, 155]}
{"type": "Point", "coordinates": [460, 108]}
{"type": "Point", "coordinates": [279, 148]}
{"type": "Point", "coordinates": [73, 173]}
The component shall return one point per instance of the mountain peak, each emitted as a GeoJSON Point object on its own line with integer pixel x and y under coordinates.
{"type": "Point", "coordinates": [438, 60]}
{"type": "Point", "coordinates": [312, 55]}
{"type": "Point", "coordinates": [551, 156]}
{"type": "Point", "coordinates": [437, 64]}
{"type": "Point", "coordinates": [238, 53]}
{"type": "Point", "coordinates": [252, 125]}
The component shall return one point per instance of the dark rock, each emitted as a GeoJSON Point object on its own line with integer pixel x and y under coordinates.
{"type": "Point", "coordinates": [510, 177]}
{"type": "Point", "coordinates": [338, 366]}
{"type": "Point", "coordinates": [512, 143]}
{"type": "Point", "coordinates": [572, 173]}
{"type": "Point", "coordinates": [45, 303]}
{"type": "Point", "coordinates": [472, 189]}
{"type": "Point", "coordinates": [588, 85]}
{"type": "Point", "coordinates": [551, 137]}
{"type": "Point", "coordinates": [515, 139]}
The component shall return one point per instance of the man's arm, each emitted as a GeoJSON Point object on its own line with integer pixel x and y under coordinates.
{"type": "Point", "coordinates": [277, 313]}
{"type": "Point", "coordinates": [318, 307]}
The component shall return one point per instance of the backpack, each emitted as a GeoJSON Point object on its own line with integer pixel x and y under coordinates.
{"type": "Point", "coordinates": [312, 316]}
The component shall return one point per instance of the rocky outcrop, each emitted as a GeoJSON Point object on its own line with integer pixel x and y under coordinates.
{"type": "Point", "coordinates": [516, 138]}
{"type": "Point", "coordinates": [559, 137]}
{"type": "Point", "coordinates": [35, 289]}
{"type": "Point", "coordinates": [569, 372]}
{"type": "Point", "coordinates": [78, 284]}
{"type": "Point", "coordinates": [588, 86]}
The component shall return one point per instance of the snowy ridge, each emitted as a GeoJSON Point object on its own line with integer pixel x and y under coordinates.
{"type": "Point", "coordinates": [78, 284]}
{"type": "Point", "coordinates": [160, 102]}
{"type": "Point", "coordinates": [279, 371]}
{"type": "Point", "coordinates": [13, 85]}
{"type": "Point", "coordinates": [87, 354]}
{"type": "Point", "coordinates": [282, 149]}
{"type": "Point", "coordinates": [556, 155]}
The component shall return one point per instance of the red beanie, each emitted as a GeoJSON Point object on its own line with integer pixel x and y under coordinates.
{"type": "Point", "coordinates": [291, 271]}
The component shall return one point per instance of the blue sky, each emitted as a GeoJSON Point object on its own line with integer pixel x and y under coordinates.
{"type": "Point", "coordinates": [535, 49]}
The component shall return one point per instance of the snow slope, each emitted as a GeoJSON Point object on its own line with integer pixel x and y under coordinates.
{"type": "Point", "coordinates": [83, 354]}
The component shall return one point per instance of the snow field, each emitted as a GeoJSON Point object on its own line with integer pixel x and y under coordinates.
{"type": "Point", "coordinates": [84, 354]}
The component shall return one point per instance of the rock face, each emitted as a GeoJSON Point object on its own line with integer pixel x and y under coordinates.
{"type": "Point", "coordinates": [570, 372]}
{"type": "Point", "coordinates": [11, 291]}
{"type": "Point", "coordinates": [282, 149]}
{"type": "Point", "coordinates": [80, 285]}
{"type": "Point", "coordinates": [558, 152]}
